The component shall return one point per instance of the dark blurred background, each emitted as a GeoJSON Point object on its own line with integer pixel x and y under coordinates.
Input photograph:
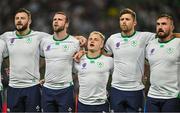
{"type": "Point", "coordinates": [89, 15]}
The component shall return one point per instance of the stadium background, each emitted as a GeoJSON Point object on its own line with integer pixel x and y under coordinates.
{"type": "Point", "coordinates": [87, 15]}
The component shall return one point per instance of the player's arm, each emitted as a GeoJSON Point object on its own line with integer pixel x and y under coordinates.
{"type": "Point", "coordinates": [146, 70]}
{"type": "Point", "coordinates": [82, 40]}
{"type": "Point", "coordinates": [42, 66]}
{"type": "Point", "coordinates": [5, 55]}
{"type": "Point", "coordinates": [77, 56]}
{"type": "Point", "coordinates": [6, 65]}
{"type": "Point", "coordinates": [146, 77]}
{"type": "Point", "coordinates": [83, 44]}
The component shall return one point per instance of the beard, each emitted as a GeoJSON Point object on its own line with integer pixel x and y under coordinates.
{"type": "Point", "coordinates": [162, 34]}
{"type": "Point", "coordinates": [125, 28]}
{"type": "Point", "coordinates": [20, 27]}
{"type": "Point", "coordinates": [58, 29]}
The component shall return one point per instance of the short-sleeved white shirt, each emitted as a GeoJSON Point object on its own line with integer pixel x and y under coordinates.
{"type": "Point", "coordinates": [164, 60]}
{"type": "Point", "coordinates": [129, 56]}
{"type": "Point", "coordinates": [93, 74]}
{"type": "Point", "coordinates": [24, 56]}
{"type": "Point", "coordinates": [59, 61]}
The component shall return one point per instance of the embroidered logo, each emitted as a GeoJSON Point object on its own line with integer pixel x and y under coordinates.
{"type": "Point", "coordinates": [12, 41]}
{"type": "Point", "coordinates": [92, 61]}
{"type": "Point", "coordinates": [161, 45]}
{"type": "Point", "coordinates": [57, 42]}
{"type": "Point", "coordinates": [170, 50]}
{"type": "Point", "coordinates": [29, 40]}
{"type": "Point", "coordinates": [152, 51]}
{"type": "Point", "coordinates": [125, 40]}
{"type": "Point", "coordinates": [117, 44]}
{"type": "Point", "coordinates": [84, 65]}
{"type": "Point", "coordinates": [134, 43]}
{"type": "Point", "coordinates": [66, 47]}
{"type": "Point", "coordinates": [37, 108]}
{"type": "Point", "coordinates": [100, 64]}
{"type": "Point", "coordinates": [69, 110]}
{"type": "Point", "coordinates": [48, 47]}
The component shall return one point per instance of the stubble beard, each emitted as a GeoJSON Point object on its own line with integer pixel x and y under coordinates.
{"type": "Point", "coordinates": [125, 28]}
{"type": "Point", "coordinates": [162, 35]}
{"type": "Point", "coordinates": [58, 29]}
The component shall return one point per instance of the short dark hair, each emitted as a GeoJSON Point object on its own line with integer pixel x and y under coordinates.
{"type": "Point", "coordinates": [24, 11]}
{"type": "Point", "coordinates": [166, 16]}
{"type": "Point", "coordinates": [128, 11]}
{"type": "Point", "coordinates": [63, 13]}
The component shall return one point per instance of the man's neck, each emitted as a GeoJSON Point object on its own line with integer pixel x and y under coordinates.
{"type": "Point", "coordinates": [93, 54]}
{"type": "Point", "coordinates": [60, 35]}
{"type": "Point", "coordinates": [129, 33]}
{"type": "Point", "coordinates": [166, 38]}
{"type": "Point", "coordinates": [22, 33]}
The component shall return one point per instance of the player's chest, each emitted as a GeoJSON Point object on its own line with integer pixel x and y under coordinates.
{"type": "Point", "coordinates": [124, 44]}
{"type": "Point", "coordinates": [159, 52]}
{"type": "Point", "coordinates": [92, 65]}
{"type": "Point", "coordinates": [59, 49]}
{"type": "Point", "coordinates": [25, 44]}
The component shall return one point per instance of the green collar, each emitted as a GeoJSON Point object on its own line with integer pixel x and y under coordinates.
{"type": "Point", "coordinates": [91, 58]}
{"type": "Point", "coordinates": [55, 39]}
{"type": "Point", "coordinates": [166, 41]}
{"type": "Point", "coordinates": [21, 36]}
{"type": "Point", "coordinates": [123, 36]}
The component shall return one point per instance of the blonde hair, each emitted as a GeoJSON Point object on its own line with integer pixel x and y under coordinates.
{"type": "Point", "coordinates": [99, 33]}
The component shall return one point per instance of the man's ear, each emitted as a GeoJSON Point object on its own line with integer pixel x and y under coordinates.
{"type": "Point", "coordinates": [135, 22]}
{"type": "Point", "coordinates": [102, 44]}
{"type": "Point", "coordinates": [67, 25]}
{"type": "Point", "coordinates": [30, 21]}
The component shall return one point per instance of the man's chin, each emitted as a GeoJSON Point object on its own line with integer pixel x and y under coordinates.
{"type": "Point", "coordinates": [19, 30]}
{"type": "Point", "coordinates": [91, 49]}
{"type": "Point", "coordinates": [161, 36]}
{"type": "Point", "coordinates": [58, 30]}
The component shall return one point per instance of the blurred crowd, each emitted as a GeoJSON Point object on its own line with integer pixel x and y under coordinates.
{"type": "Point", "coordinates": [89, 15]}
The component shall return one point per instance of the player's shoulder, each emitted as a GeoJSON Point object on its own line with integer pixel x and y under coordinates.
{"type": "Point", "coordinates": [113, 37]}
{"type": "Point", "coordinates": [153, 41]}
{"type": "Point", "coordinates": [2, 42]}
{"type": "Point", "coordinates": [116, 35]}
{"type": "Point", "coordinates": [145, 33]}
{"type": "Point", "coordinates": [72, 39]}
{"type": "Point", "coordinates": [176, 40]}
{"type": "Point", "coordinates": [107, 57]}
{"type": "Point", "coordinates": [8, 33]}
{"type": "Point", "coordinates": [47, 38]}
{"type": "Point", "coordinates": [40, 33]}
